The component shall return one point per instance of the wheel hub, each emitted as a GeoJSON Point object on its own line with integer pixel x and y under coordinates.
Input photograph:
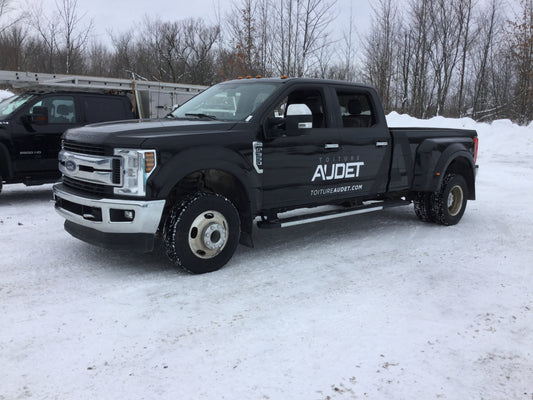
{"type": "Point", "coordinates": [455, 200]}
{"type": "Point", "coordinates": [214, 236]}
{"type": "Point", "coordinates": [208, 234]}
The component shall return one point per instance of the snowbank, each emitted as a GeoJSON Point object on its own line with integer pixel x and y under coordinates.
{"type": "Point", "coordinates": [4, 94]}
{"type": "Point", "coordinates": [495, 138]}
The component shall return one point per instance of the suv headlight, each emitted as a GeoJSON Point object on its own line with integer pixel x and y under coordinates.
{"type": "Point", "coordinates": [137, 166]}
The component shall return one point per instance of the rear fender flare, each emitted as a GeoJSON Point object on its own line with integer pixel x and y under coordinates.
{"type": "Point", "coordinates": [434, 157]}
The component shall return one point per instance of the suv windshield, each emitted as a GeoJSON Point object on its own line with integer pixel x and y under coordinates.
{"type": "Point", "coordinates": [232, 101]}
{"type": "Point", "coordinates": [7, 106]}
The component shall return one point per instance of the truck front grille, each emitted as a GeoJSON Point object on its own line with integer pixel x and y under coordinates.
{"type": "Point", "coordinates": [87, 187]}
{"type": "Point", "coordinates": [84, 148]}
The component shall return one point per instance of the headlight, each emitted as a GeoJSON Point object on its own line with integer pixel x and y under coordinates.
{"type": "Point", "coordinates": [137, 166]}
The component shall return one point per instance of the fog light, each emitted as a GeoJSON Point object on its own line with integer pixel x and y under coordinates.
{"type": "Point", "coordinates": [117, 215]}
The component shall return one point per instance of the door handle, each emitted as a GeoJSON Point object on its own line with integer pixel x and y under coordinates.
{"type": "Point", "coordinates": [382, 144]}
{"type": "Point", "coordinates": [331, 146]}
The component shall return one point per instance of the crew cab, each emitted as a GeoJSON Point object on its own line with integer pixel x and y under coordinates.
{"type": "Point", "coordinates": [248, 151]}
{"type": "Point", "coordinates": [31, 125]}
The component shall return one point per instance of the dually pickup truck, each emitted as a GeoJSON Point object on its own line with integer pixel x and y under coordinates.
{"type": "Point", "coordinates": [247, 151]}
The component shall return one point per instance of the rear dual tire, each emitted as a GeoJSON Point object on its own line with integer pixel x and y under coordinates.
{"type": "Point", "coordinates": [447, 205]}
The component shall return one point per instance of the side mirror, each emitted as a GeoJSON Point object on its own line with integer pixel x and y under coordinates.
{"type": "Point", "coordinates": [297, 125]}
{"type": "Point", "coordinates": [291, 125]}
{"type": "Point", "coordinates": [40, 115]}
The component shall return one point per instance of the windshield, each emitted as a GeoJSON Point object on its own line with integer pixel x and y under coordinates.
{"type": "Point", "coordinates": [7, 106]}
{"type": "Point", "coordinates": [227, 101]}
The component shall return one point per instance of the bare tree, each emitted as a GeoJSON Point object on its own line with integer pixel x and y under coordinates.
{"type": "Point", "coordinates": [380, 50]}
{"type": "Point", "coordinates": [7, 17]}
{"type": "Point", "coordinates": [74, 35]}
{"type": "Point", "coordinates": [47, 30]}
{"type": "Point", "coordinates": [349, 48]}
{"type": "Point", "coordinates": [521, 41]}
{"type": "Point", "coordinates": [419, 32]}
{"type": "Point", "coordinates": [446, 31]}
{"type": "Point", "coordinates": [244, 36]}
{"type": "Point", "coordinates": [465, 14]}
{"type": "Point", "coordinates": [12, 43]}
{"type": "Point", "coordinates": [488, 27]}
{"type": "Point", "coordinates": [123, 61]}
{"type": "Point", "coordinates": [300, 26]}
{"type": "Point", "coordinates": [98, 60]}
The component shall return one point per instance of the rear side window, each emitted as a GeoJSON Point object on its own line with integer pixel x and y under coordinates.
{"type": "Point", "coordinates": [105, 108]}
{"type": "Point", "coordinates": [356, 110]}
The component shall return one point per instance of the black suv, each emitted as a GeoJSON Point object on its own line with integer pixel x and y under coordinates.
{"type": "Point", "coordinates": [31, 125]}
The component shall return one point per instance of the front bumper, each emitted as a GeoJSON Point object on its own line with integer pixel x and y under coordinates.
{"type": "Point", "coordinates": [109, 223]}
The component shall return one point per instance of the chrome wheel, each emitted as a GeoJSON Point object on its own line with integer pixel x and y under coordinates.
{"type": "Point", "coordinates": [455, 200]}
{"type": "Point", "coordinates": [208, 234]}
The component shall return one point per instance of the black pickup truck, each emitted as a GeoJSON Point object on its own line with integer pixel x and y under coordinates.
{"type": "Point", "coordinates": [248, 151]}
{"type": "Point", "coordinates": [31, 125]}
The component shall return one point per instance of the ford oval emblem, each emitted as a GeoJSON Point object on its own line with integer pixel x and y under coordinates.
{"type": "Point", "coordinates": [70, 165]}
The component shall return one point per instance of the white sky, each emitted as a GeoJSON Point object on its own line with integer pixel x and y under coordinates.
{"type": "Point", "coordinates": [121, 15]}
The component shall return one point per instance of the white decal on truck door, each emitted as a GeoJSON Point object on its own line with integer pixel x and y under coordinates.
{"type": "Point", "coordinates": [331, 172]}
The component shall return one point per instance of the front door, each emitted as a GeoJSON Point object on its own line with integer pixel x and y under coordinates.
{"type": "Point", "coordinates": [290, 163]}
{"type": "Point", "coordinates": [37, 141]}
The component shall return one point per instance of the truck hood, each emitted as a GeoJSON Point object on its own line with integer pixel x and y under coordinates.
{"type": "Point", "coordinates": [133, 133]}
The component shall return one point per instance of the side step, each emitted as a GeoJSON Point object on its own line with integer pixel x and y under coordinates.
{"type": "Point", "coordinates": [330, 214]}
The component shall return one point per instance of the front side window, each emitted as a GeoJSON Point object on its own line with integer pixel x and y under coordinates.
{"type": "Point", "coordinates": [355, 109]}
{"type": "Point", "coordinates": [232, 101]}
{"type": "Point", "coordinates": [7, 106]}
{"type": "Point", "coordinates": [61, 109]}
{"type": "Point", "coordinates": [303, 102]}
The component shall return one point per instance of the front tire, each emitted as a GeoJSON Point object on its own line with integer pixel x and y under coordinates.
{"type": "Point", "coordinates": [449, 203]}
{"type": "Point", "coordinates": [202, 232]}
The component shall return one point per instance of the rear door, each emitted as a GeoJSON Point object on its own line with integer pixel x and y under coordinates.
{"type": "Point", "coordinates": [364, 139]}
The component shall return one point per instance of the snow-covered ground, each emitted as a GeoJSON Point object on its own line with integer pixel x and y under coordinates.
{"type": "Point", "coordinates": [379, 306]}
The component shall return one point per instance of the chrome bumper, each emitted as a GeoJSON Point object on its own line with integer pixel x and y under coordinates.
{"type": "Point", "coordinates": [97, 213]}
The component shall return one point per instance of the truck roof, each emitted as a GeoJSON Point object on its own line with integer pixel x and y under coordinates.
{"type": "Point", "coordinates": [300, 80]}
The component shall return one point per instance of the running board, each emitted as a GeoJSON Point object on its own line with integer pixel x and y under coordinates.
{"type": "Point", "coordinates": [331, 214]}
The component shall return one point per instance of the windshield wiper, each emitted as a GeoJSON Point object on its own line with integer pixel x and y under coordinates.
{"type": "Point", "coordinates": [200, 115]}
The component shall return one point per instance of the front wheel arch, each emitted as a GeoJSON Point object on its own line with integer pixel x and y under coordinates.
{"type": "Point", "coordinates": [218, 181]}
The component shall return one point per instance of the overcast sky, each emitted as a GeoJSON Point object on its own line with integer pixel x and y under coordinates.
{"type": "Point", "coordinates": [121, 15]}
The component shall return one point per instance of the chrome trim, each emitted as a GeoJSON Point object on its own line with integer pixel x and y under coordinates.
{"type": "Point", "coordinates": [332, 216]}
{"type": "Point", "coordinates": [305, 125]}
{"type": "Point", "coordinates": [258, 156]}
{"type": "Point", "coordinates": [147, 213]}
{"type": "Point", "coordinates": [101, 167]}
{"type": "Point", "coordinates": [330, 146]}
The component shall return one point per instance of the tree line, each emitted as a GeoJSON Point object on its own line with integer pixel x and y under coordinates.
{"type": "Point", "coordinates": [430, 57]}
